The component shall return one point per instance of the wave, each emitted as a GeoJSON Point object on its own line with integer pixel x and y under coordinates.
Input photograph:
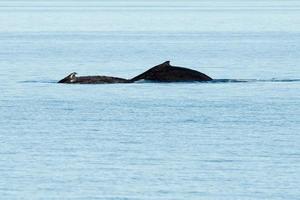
{"type": "Point", "coordinates": [252, 80]}
{"type": "Point", "coordinates": [38, 81]}
{"type": "Point", "coordinates": [226, 81]}
{"type": "Point", "coordinates": [213, 81]}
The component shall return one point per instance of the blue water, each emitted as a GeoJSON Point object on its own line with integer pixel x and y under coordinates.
{"type": "Point", "coordinates": [234, 138]}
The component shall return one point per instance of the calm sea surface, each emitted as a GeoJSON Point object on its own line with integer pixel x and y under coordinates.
{"type": "Point", "coordinates": [235, 138]}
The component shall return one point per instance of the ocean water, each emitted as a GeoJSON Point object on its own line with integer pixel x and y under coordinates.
{"type": "Point", "coordinates": [234, 138]}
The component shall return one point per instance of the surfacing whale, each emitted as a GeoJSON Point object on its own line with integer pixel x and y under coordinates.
{"type": "Point", "coordinates": [168, 73]}
{"type": "Point", "coordinates": [160, 73]}
{"type": "Point", "coordinates": [72, 78]}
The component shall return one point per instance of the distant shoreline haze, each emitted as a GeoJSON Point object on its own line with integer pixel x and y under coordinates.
{"type": "Point", "coordinates": [163, 16]}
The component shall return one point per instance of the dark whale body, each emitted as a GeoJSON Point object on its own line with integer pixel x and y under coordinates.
{"type": "Point", "coordinates": [92, 79]}
{"type": "Point", "coordinates": [167, 73]}
{"type": "Point", "coordinates": [160, 73]}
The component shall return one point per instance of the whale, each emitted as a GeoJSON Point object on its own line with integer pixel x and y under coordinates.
{"type": "Point", "coordinates": [73, 79]}
{"type": "Point", "coordinates": [164, 72]}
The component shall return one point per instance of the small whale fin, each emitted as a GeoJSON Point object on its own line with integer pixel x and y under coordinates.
{"type": "Point", "coordinates": [69, 79]}
{"type": "Point", "coordinates": [167, 63]}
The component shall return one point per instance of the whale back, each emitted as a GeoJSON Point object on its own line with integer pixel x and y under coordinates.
{"type": "Point", "coordinates": [167, 73]}
{"type": "Point", "coordinates": [160, 73]}
{"type": "Point", "coordinates": [100, 80]}
{"type": "Point", "coordinates": [92, 79]}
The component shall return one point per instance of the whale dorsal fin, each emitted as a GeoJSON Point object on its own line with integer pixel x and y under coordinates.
{"type": "Point", "coordinates": [153, 70]}
{"type": "Point", "coordinates": [162, 66]}
{"type": "Point", "coordinates": [167, 63]}
{"type": "Point", "coordinates": [69, 79]}
{"type": "Point", "coordinates": [72, 75]}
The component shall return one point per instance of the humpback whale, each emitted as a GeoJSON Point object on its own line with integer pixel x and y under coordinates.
{"type": "Point", "coordinates": [92, 79]}
{"type": "Point", "coordinates": [164, 72]}
{"type": "Point", "coordinates": [168, 73]}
